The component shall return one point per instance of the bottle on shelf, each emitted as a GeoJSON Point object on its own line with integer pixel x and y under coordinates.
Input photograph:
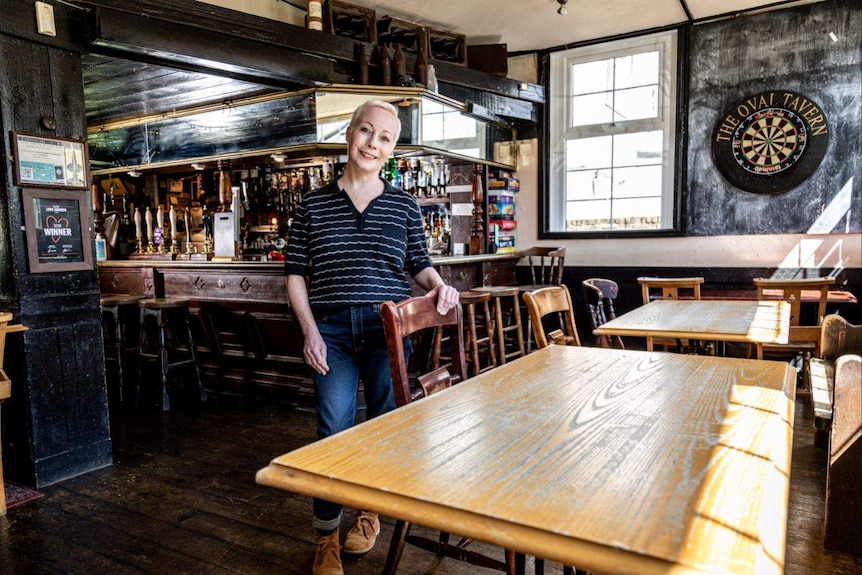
{"type": "Point", "coordinates": [420, 68]}
{"type": "Point", "coordinates": [399, 67]}
{"type": "Point", "coordinates": [385, 63]}
{"type": "Point", "coordinates": [362, 66]}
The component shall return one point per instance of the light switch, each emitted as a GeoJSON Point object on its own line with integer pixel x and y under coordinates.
{"type": "Point", "coordinates": [45, 19]}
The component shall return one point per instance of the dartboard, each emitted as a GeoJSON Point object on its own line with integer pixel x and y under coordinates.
{"type": "Point", "coordinates": [770, 142]}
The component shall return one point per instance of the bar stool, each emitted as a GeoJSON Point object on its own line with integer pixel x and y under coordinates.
{"type": "Point", "coordinates": [115, 311]}
{"type": "Point", "coordinates": [508, 330]}
{"type": "Point", "coordinates": [170, 315]}
{"type": "Point", "coordinates": [474, 346]}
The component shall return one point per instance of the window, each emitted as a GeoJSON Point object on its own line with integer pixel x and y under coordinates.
{"type": "Point", "coordinates": [612, 133]}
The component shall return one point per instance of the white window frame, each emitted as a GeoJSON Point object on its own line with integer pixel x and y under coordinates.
{"type": "Point", "coordinates": [560, 128]}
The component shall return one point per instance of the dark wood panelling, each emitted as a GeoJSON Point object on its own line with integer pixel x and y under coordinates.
{"type": "Point", "coordinates": [55, 423]}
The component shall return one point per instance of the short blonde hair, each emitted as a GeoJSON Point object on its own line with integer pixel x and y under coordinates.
{"type": "Point", "coordinates": [357, 113]}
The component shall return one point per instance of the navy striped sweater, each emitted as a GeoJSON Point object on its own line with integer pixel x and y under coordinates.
{"type": "Point", "coordinates": [355, 258]}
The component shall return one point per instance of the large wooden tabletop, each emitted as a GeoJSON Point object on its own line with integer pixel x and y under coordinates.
{"type": "Point", "coordinates": [755, 322]}
{"type": "Point", "coordinates": [616, 461]}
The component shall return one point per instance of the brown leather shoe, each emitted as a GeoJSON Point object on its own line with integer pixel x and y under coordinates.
{"type": "Point", "coordinates": [361, 537]}
{"type": "Point", "coordinates": [327, 558]}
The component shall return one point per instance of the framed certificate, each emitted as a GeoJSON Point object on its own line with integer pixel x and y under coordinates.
{"type": "Point", "coordinates": [58, 237]}
{"type": "Point", "coordinates": [50, 161]}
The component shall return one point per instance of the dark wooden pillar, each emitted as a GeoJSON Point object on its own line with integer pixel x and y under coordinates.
{"type": "Point", "coordinates": [55, 425]}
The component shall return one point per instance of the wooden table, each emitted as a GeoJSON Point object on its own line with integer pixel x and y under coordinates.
{"type": "Point", "coordinates": [754, 322]}
{"type": "Point", "coordinates": [808, 295]}
{"type": "Point", "coordinates": [616, 461]}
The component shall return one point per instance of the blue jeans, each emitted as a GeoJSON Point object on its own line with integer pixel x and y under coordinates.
{"type": "Point", "coordinates": [355, 351]}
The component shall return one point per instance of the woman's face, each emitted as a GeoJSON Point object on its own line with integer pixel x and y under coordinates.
{"type": "Point", "coordinates": [371, 140]}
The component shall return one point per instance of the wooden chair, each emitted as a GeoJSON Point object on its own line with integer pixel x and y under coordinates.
{"type": "Point", "coordinates": [653, 288]}
{"type": "Point", "coordinates": [546, 269]}
{"type": "Point", "coordinates": [552, 300]}
{"type": "Point", "coordinates": [599, 295]}
{"type": "Point", "coordinates": [804, 337]}
{"type": "Point", "coordinates": [5, 392]}
{"type": "Point", "coordinates": [402, 320]}
{"type": "Point", "coordinates": [670, 288]}
{"type": "Point", "coordinates": [5, 388]}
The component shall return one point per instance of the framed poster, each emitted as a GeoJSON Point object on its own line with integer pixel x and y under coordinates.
{"type": "Point", "coordinates": [50, 161]}
{"type": "Point", "coordinates": [58, 237]}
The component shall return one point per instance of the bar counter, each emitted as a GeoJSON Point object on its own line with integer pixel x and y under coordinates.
{"type": "Point", "coordinates": [244, 331]}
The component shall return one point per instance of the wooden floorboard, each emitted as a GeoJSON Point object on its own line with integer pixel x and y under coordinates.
{"type": "Point", "coordinates": [181, 498]}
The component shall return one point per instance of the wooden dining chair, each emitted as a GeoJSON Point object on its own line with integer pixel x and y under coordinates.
{"type": "Point", "coordinates": [410, 318]}
{"type": "Point", "coordinates": [545, 303]}
{"type": "Point", "coordinates": [670, 288]}
{"type": "Point", "coordinates": [653, 288]}
{"type": "Point", "coordinates": [804, 335]}
{"type": "Point", "coordinates": [599, 295]}
{"type": "Point", "coordinates": [546, 269]}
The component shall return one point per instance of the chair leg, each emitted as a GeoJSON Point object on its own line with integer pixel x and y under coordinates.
{"type": "Point", "coordinates": [516, 563]}
{"type": "Point", "coordinates": [164, 361]}
{"type": "Point", "coordinates": [201, 390]}
{"type": "Point", "coordinates": [540, 566]}
{"type": "Point", "coordinates": [396, 547]}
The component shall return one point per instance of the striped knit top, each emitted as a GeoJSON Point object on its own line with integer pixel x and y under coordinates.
{"type": "Point", "coordinates": [353, 258]}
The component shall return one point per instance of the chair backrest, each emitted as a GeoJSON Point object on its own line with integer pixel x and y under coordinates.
{"type": "Point", "coordinates": [839, 337]}
{"type": "Point", "coordinates": [669, 288]}
{"type": "Point", "coordinates": [408, 317]}
{"type": "Point", "coordinates": [546, 265]}
{"type": "Point", "coordinates": [545, 301]}
{"type": "Point", "coordinates": [790, 290]}
{"type": "Point", "coordinates": [599, 295]}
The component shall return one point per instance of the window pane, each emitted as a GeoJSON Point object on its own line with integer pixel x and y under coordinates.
{"type": "Point", "coordinates": [589, 153]}
{"type": "Point", "coordinates": [588, 185]}
{"type": "Point", "coordinates": [432, 127]}
{"type": "Point", "coordinates": [584, 216]}
{"type": "Point", "coordinates": [636, 70]}
{"type": "Point", "coordinates": [636, 103]}
{"type": "Point", "coordinates": [642, 213]}
{"type": "Point", "coordinates": [592, 109]}
{"type": "Point", "coordinates": [637, 182]}
{"type": "Point", "coordinates": [638, 148]}
{"type": "Point", "coordinates": [592, 77]}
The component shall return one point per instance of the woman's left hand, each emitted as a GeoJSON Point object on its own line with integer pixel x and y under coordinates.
{"type": "Point", "coordinates": [447, 298]}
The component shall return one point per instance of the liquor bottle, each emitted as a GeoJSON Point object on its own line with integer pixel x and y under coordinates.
{"type": "Point", "coordinates": [385, 66]}
{"type": "Point", "coordinates": [420, 68]}
{"type": "Point", "coordinates": [399, 66]}
{"type": "Point", "coordinates": [315, 15]}
{"type": "Point", "coordinates": [362, 66]}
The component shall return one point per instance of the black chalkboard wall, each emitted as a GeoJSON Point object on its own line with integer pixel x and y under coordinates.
{"type": "Point", "coordinates": [794, 50]}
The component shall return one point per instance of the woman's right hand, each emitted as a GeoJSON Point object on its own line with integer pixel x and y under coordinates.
{"type": "Point", "coordinates": [314, 351]}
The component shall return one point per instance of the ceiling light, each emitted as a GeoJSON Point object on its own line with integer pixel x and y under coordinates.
{"type": "Point", "coordinates": [198, 166]}
{"type": "Point", "coordinates": [134, 174]}
{"type": "Point", "coordinates": [278, 157]}
{"type": "Point", "coordinates": [562, 10]}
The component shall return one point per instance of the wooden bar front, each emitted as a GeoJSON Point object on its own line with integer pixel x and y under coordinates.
{"type": "Point", "coordinates": [247, 339]}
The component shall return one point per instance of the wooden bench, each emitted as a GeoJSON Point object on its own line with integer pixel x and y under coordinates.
{"type": "Point", "coordinates": [841, 530]}
{"type": "Point", "coordinates": [837, 338]}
